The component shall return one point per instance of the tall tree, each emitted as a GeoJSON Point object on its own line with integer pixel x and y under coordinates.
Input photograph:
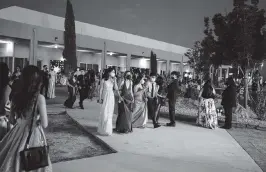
{"type": "Point", "coordinates": [196, 60]}
{"type": "Point", "coordinates": [153, 63]}
{"type": "Point", "coordinates": [238, 37]}
{"type": "Point", "coordinates": [69, 52]}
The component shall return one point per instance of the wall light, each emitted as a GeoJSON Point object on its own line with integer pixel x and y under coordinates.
{"type": "Point", "coordinates": [9, 47]}
{"type": "Point", "coordinates": [110, 53]}
{"type": "Point", "coordinates": [62, 59]}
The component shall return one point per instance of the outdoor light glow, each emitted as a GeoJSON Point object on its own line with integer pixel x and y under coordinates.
{"type": "Point", "coordinates": [9, 47]}
{"type": "Point", "coordinates": [186, 75]}
{"type": "Point", "coordinates": [190, 76]}
{"type": "Point", "coordinates": [5, 42]}
{"type": "Point", "coordinates": [62, 59]}
{"type": "Point", "coordinates": [110, 53]}
{"type": "Point", "coordinates": [187, 71]}
{"type": "Point", "coordinates": [57, 69]}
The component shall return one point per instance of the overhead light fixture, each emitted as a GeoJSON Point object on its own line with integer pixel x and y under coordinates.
{"type": "Point", "coordinates": [83, 50]}
{"type": "Point", "coordinates": [5, 42]}
{"type": "Point", "coordinates": [56, 46]}
{"type": "Point", "coordinates": [110, 53]}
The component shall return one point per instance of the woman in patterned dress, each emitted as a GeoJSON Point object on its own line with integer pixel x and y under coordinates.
{"type": "Point", "coordinates": [207, 116]}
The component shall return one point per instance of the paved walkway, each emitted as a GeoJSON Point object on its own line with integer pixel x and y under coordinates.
{"type": "Point", "coordinates": [184, 148]}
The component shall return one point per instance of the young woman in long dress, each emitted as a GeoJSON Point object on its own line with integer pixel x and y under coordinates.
{"type": "Point", "coordinates": [124, 118]}
{"type": "Point", "coordinates": [21, 115]}
{"type": "Point", "coordinates": [107, 101]}
{"type": "Point", "coordinates": [140, 111]}
{"type": "Point", "coordinates": [207, 116]}
{"type": "Point", "coordinates": [52, 81]}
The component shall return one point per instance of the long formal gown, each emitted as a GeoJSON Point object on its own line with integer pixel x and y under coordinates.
{"type": "Point", "coordinates": [51, 87]}
{"type": "Point", "coordinates": [207, 116]}
{"type": "Point", "coordinates": [14, 142]}
{"type": "Point", "coordinates": [105, 126]}
{"type": "Point", "coordinates": [140, 111]}
{"type": "Point", "coordinates": [124, 119]}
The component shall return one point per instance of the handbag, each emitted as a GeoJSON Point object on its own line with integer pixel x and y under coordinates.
{"type": "Point", "coordinates": [8, 106]}
{"type": "Point", "coordinates": [35, 157]}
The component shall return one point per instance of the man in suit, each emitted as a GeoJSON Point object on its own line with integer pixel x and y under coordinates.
{"type": "Point", "coordinates": [152, 99]}
{"type": "Point", "coordinates": [173, 91]}
{"type": "Point", "coordinates": [83, 87]}
{"type": "Point", "coordinates": [45, 75]}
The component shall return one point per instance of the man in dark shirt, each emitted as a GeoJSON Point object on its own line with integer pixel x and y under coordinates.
{"type": "Point", "coordinates": [45, 75]}
{"type": "Point", "coordinates": [83, 93]}
{"type": "Point", "coordinates": [173, 91]}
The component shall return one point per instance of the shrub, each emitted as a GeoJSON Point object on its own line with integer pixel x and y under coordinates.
{"type": "Point", "coordinates": [260, 108]}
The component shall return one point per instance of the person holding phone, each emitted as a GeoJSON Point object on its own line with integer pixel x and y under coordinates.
{"type": "Point", "coordinates": [107, 101]}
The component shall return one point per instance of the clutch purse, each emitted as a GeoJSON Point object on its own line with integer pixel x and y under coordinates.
{"type": "Point", "coordinates": [35, 157]}
{"type": "Point", "coordinates": [7, 106]}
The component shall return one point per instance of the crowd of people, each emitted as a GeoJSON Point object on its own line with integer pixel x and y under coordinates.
{"type": "Point", "coordinates": [136, 97]}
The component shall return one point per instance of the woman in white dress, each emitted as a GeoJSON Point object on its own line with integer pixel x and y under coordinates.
{"type": "Point", "coordinates": [51, 87]}
{"type": "Point", "coordinates": [107, 101]}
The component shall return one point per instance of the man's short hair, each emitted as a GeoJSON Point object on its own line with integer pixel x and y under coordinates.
{"type": "Point", "coordinates": [153, 74]}
{"type": "Point", "coordinates": [175, 73]}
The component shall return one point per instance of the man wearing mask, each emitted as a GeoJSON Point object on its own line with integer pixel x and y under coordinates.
{"type": "Point", "coordinates": [152, 99]}
{"type": "Point", "coordinates": [82, 88]}
{"type": "Point", "coordinates": [173, 90]}
{"type": "Point", "coordinates": [229, 102]}
{"type": "Point", "coordinates": [45, 84]}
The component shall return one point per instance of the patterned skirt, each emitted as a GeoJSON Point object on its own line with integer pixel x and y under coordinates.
{"type": "Point", "coordinates": [207, 116]}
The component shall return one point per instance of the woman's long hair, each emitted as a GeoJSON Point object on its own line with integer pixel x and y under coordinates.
{"type": "Point", "coordinates": [138, 79]}
{"type": "Point", "coordinates": [207, 89]}
{"type": "Point", "coordinates": [4, 71]}
{"type": "Point", "coordinates": [31, 80]}
{"type": "Point", "coordinates": [107, 72]}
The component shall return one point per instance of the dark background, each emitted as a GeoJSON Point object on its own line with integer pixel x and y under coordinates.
{"type": "Point", "coordinates": [178, 22]}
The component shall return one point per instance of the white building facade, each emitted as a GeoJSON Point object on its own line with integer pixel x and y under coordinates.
{"type": "Point", "coordinates": [37, 38]}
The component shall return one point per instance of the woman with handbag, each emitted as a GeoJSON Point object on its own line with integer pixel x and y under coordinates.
{"type": "Point", "coordinates": [24, 148]}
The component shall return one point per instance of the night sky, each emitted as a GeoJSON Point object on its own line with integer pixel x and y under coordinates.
{"type": "Point", "coordinates": [178, 22]}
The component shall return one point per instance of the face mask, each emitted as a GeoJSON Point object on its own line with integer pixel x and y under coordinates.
{"type": "Point", "coordinates": [112, 74]}
{"type": "Point", "coordinates": [128, 77]}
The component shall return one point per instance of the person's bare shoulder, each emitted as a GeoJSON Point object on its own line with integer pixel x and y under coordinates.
{"type": "Point", "coordinates": [41, 99]}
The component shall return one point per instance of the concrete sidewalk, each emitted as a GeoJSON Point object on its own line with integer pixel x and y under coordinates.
{"type": "Point", "coordinates": [184, 148]}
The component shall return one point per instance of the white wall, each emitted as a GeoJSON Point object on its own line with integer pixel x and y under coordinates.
{"type": "Point", "coordinates": [54, 22]}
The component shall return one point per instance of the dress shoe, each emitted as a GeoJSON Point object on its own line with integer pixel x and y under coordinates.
{"type": "Point", "coordinates": [170, 124]}
{"type": "Point", "coordinates": [226, 127]}
{"type": "Point", "coordinates": [157, 125]}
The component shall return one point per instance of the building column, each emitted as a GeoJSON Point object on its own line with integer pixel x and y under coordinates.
{"type": "Point", "coordinates": [33, 48]}
{"type": "Point", "coordinates": [128, 62]}
{"type": "Point", "coordinates": [103, 58]}
{"type": "Point", "coordinates": [227, 73]}
{"type": "Point", "coordinates": [182, 68]}
{"type": "Point", "coordinates": [168, 67]}
{"type": "Point", "coordinates": [78, 59]}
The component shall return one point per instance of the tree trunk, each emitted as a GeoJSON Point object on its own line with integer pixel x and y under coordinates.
{"type": "Point", "coordinates": [246, 89]}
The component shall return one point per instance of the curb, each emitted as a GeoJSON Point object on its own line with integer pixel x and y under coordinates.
{"type": "Point", "coordinates": [186, 118]}
{"type": "Point", "coordinates": [112, 150]}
